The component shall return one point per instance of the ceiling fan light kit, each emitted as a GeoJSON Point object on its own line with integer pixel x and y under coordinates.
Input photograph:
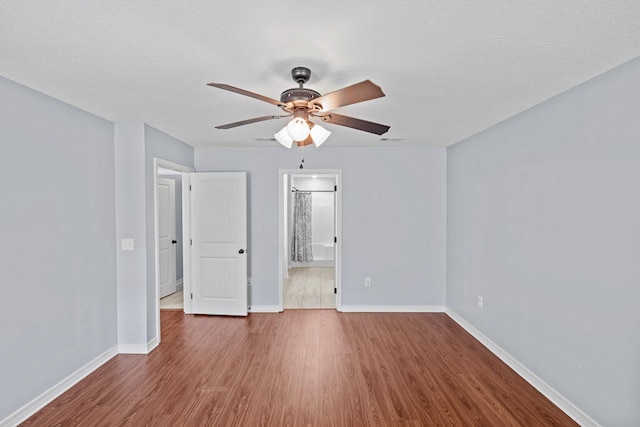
{"type": "Point", "coordinates": [298, 128]}
{"type": "Point", "coordinates": [319, 134]}
{"type": "Point", "coordinates": [283, 138]}
{"type": "Point", "coordinates": [302, 104]}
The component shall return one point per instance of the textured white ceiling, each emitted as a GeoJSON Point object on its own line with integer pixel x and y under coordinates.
{"type": "Point", "coordinates": [449, 68]}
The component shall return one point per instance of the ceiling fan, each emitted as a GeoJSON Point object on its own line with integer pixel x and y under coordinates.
{"type": "Point", "coordinates": [304, 104]}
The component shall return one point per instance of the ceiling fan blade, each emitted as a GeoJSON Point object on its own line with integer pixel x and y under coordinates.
{"type": "Point", "coordinates": [352, 122]}
{"type": "Point", "coordinates": [249, 121]}
{"type": "Point", "coordinates": [247, 93]}
{"type": "Point", "coordinates": [359, 92]}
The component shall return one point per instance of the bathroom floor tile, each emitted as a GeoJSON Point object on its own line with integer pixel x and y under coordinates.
{"type": "Point", "coordinates": [309, 287]}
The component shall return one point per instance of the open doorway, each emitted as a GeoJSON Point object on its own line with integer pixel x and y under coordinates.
{"type": "Point", "coordinates": [169, 236]}
{"type": "Point", "coordinates": [310, 207]}
{"type": "Point", "coordinates": [169, 207]}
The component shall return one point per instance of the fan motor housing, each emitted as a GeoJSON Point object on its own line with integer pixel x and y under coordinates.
{"type": "Point", "coordinates": [299, 94]}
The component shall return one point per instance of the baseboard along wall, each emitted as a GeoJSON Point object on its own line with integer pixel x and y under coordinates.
{"type": "Point", "coordinates": [48, 396]}
{"type": "Point", "coordinates": [550, 393]}
{"type": "Point", "coordinates": [393, 308]}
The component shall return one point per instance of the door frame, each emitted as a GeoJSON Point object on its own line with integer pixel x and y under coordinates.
{"type": "Point", "coordinates": [282, 245]}
{"type": "Point", "coordinates": [161, 163]}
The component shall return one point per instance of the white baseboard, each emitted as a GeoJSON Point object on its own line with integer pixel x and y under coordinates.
{"type": "Point", "coordinates": [152, 344]}
{"type": "Point", "coordinates": [138, 348]}
{"type": "Point", "coordinates": [393, 308]}
{"type": "Point", "coordinates": [560, 401]}
{"type": "Point", "coordinates": [265, 309]}
{"type": "Point", "coordinates": [132, 349]}
{"type": "Point", "coordinates": [363, 309]}
{"type": "Point", "coordinates": [48, 396]}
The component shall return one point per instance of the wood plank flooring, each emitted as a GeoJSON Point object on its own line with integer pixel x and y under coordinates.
{"type": "Point", "coordinates": [306, 368]}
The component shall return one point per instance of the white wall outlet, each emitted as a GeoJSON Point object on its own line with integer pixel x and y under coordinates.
{"type": "Point", "coordinates": [480, 301]}
{"type": "Point", "coordinates": [367, 281]}
{"type": "Point", "coordinates": [127, 244]}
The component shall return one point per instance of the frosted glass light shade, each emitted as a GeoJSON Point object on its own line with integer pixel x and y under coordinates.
{"type": "Point", "coordinates": [319, 135]}
{"type": "Point", "coordinates": [283, 137]}
{"type": "Point", "coordinates": [298, 129]}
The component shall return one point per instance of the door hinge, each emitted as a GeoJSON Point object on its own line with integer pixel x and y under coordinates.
{"type": "Point", "coordinates": [191, 242]}
{"type": "Point", "coordinates": [192, 296]}
{"type": "Point", "coordinates": [189, 187]}
{"type": "Point", "coordinates": [335, 240]}
{"type": "Point", "coordinates": [335, 290]}
{"type": "Point", "coordinates": [335, 188]}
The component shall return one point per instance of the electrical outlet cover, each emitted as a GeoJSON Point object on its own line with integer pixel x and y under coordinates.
{"type": "Point", "coordinates": [127, 244]}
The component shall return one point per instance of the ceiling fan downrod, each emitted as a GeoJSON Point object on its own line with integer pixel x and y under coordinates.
{"type": "Point", "coordinates": [300, 96]}
{"type": "Point", "coordinates": [300, 75]}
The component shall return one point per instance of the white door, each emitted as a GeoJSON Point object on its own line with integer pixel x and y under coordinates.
{"type": "Point", "coordinates": [219, 243]}
{"type": "Point", "coordinates": [167, 235]}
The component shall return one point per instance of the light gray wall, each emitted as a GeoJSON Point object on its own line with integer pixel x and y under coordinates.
{"type": "Point", "coordinates": [58, 252]}
{"type": "Point", "coordinates": [131, 224]}
{"type": "Point", "coordinates": [136, 147]}
{"type": "Point", "coordinates": [544, 223]}
{"type": "Point", "coordinates": [165, 147]}
{"type": "Point", "coordinates": [394, 215]}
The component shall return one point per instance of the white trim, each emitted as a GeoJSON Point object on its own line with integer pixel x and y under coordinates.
{"type": "Point", "coordinates": [186, 243]}
{"type": "Point", "coordinates": [152, 345]}
{"type": "Point", "coordinates": [337, 263]}
{"type": "Point", "coordinates": [138, 348]}
{"type": "Point", "coordinates": [161, 163]}
{"type": "Point", "coordinates": [560, 401]}
{"type": "Point", "coordinates": [48, 396]}
{"type": "Point", "coordinates": [264, 309]}
{"type": "Point", "coordinates": [133, 349]}
{"type": "Point", "coordinates": [393, 309]}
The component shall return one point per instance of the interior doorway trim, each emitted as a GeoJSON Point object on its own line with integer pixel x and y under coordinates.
{"type": "Point", "coordinates": [282, 245]}
{"type": "Point", "coordinates": [166, 164]}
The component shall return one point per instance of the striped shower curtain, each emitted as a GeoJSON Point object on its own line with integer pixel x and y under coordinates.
{"type": "Point", "coordinates": [301, 249]}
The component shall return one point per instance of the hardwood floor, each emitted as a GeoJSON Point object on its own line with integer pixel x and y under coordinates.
{"type": "Point", "coordinates": [306, 368]}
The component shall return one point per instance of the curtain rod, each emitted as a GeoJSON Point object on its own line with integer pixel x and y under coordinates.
{"type": "Point", "coordinates": [294, 190]}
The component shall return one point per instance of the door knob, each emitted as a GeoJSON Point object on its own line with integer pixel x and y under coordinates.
{"type": "Point", "coordinates": [174, 241]}
{"type": "Point", "coordinates": [241, 251]}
